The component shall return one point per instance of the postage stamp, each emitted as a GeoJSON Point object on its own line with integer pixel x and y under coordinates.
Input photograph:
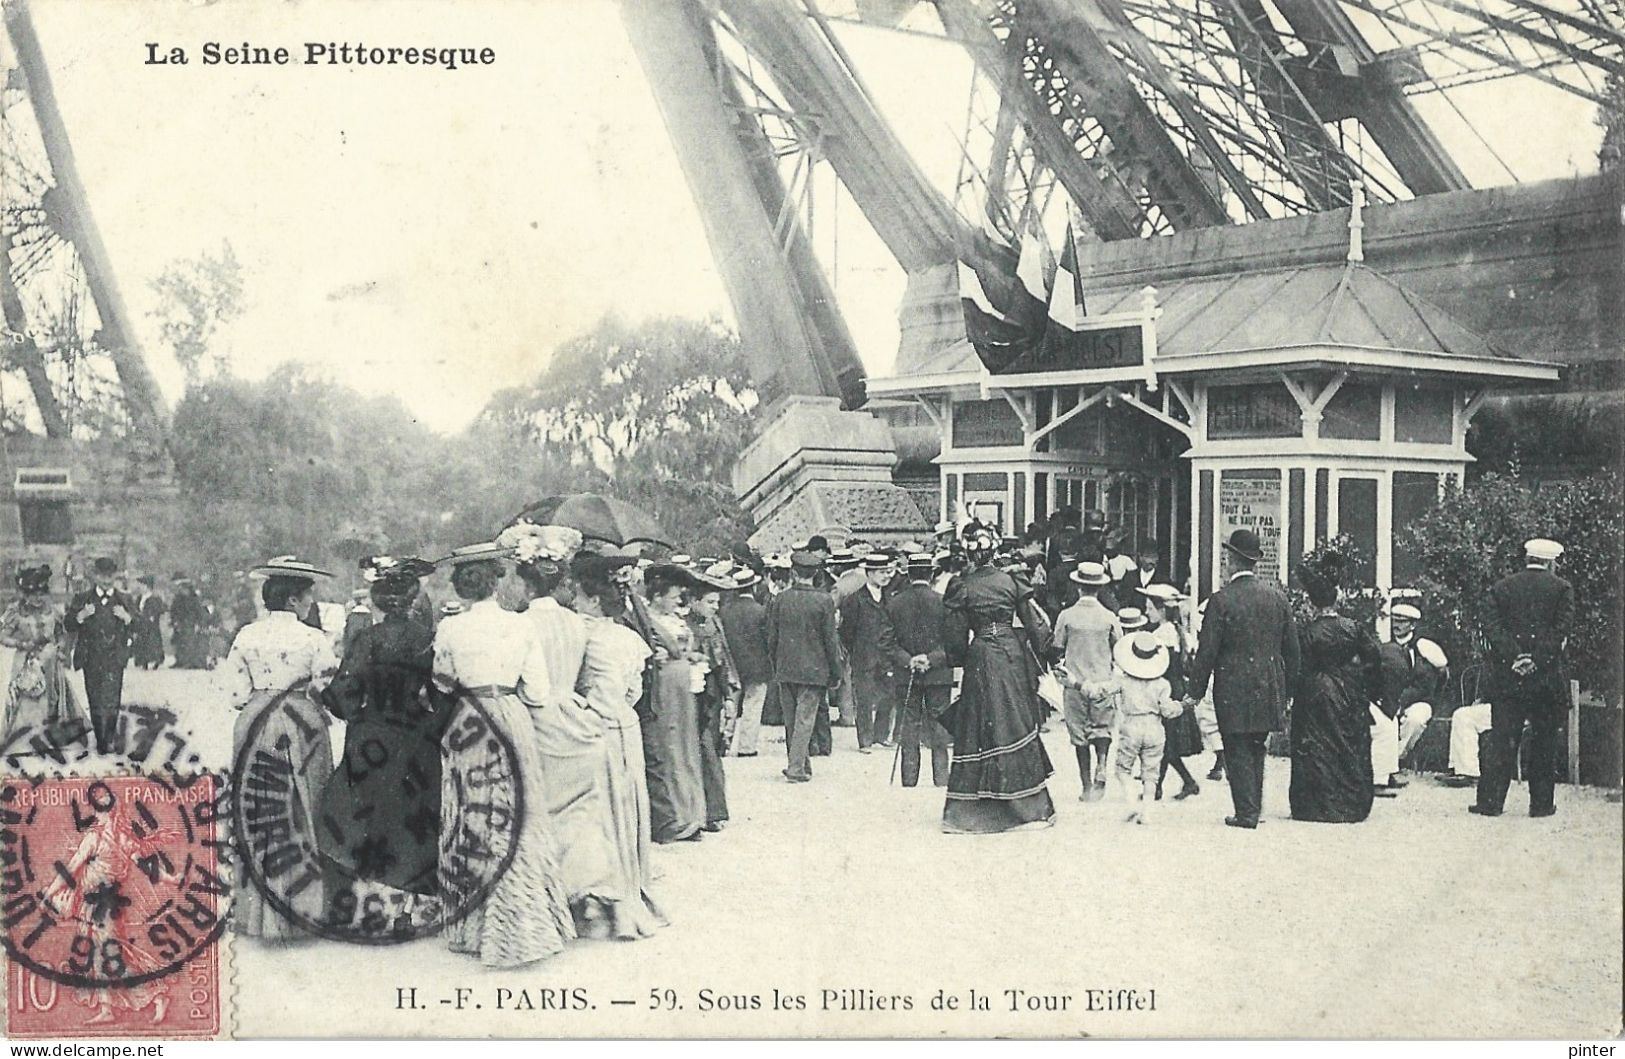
{"type": "Point", "coordinates": [114, 905]}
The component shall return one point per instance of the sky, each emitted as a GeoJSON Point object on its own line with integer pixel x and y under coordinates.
{"type": "Point", "coordinates": [435, 235]}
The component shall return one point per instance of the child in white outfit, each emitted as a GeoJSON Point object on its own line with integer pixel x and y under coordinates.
{"type": "Point", "coordinates": [1146, 699]}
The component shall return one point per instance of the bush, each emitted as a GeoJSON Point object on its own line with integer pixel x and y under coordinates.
{"type": "Point", "coordinates": [1474, 536]}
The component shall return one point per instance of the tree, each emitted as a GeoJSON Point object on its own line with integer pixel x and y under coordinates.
{"type": "Point", "coordinates": [667, 399]}
{"type": "Point", "coordinates": [657, 414]}
{"type": "Point", "coordinates": [197, 297]}
{"type": "Point", "coordinates": [1474, 537]}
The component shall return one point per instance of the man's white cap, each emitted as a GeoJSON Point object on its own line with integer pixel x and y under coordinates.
{"type": "Point", "coordinates": [1542, 549]}
{"type": "Point", "coordinates": [945, 526]}
{"type": "Point", "coordinates": [1405, 610]}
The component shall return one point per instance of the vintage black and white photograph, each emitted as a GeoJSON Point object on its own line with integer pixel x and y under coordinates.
{"type": "Point", "coordinates": [764, 519]}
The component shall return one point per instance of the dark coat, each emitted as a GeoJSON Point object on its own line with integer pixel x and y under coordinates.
{"type": "Point", "coordinates": [1407, 677]}
{"type": "Point", "coordinates": [1530, 614]}
{"type": "Point", "coordinates": [744, 623]}
{"type": "Point", "coordinates": [103, 638]}
{"type": "Point", "coordinates": [867, 634]}
{"type": "Point", "coordinates": [801, 637]}
{"type": "Point", "coordinates": [1249, 648]}
{"type": "Point", "coordinates": [919, 620]}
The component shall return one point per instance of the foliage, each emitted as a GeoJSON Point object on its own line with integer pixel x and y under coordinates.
{"type": "Point", "coordinates": [1335, 558]}
{"type": "Point", "coordinates": [669, 399]}
{"type": "Point", "coordinates": [657, 414]}
{"type": "Point", "coordinates": [1564, 434]}
{"type": "Point", "coordinates": [197, 297]}
{"type": "Point", "coordinates": [1475, 536]}
{"type": "Point", "coordinates": [1611, 116]}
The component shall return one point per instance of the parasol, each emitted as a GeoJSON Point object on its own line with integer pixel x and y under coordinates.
{"type": "Point", "coordinates": [596, 517]}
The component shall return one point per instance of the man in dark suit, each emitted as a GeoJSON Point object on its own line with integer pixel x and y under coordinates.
{"type": "Point", "coordinates": [102, 621]}
{"type": "Point", "coordinates": [806, 654]}
{"type": "Point", "coordinates": [1527, 629]}
{"type": "Point", "coordinates": [1249, 648]}
{"type": "Point", "coordinates": [871, 649]}
{"type": "Point", "coordinates": [921, 657]}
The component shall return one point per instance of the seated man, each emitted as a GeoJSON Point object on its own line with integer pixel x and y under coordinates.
{"type": "Point", "coordinates": [1466, 725]}
{"type": "Point", "coordinates": [1413, 672]}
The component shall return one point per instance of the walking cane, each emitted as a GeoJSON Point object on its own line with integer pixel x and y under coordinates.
{"type": "Point", "coordinates": [897, 754]}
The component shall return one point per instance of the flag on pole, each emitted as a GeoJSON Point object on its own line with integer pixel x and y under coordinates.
{"type": "Point", "coordinates": [1034, 270]}
{"type": "Point", "coordinates": [997, 338]}
{"type": "Point", "coordinates": [1066, 308]}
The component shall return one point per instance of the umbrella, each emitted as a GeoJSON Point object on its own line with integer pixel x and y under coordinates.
{"type": "Point", "coordinates": [600, 518]}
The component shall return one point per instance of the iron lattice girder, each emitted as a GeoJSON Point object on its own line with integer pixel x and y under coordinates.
{"type": "Point", "coordinates": [914, 220]}
{"type": "Point", "coordinates": [1110, 209]}
{"type": "Point", "coordinates": [1416, 153]}
{"type": "Point", "coordinates": [142, 398]}
{"type": "Point", "coordinates": [1074, 70]}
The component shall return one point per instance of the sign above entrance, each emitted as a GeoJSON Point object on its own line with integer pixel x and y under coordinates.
{"type": "Point", "coordinates": [1105, 345]}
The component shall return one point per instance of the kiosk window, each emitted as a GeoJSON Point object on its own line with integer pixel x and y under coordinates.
{"type": "Point", "coordinates": [1357, 517]}
{"type": "Point", "coordinates": [983, 424]}
{"type": "Point", "coordinates": [1415, 494]}
{"type": "Point", "coordinates": [1423, 415]}
{"type": "Point", "coordinates": [1354, 414]}
{"type": "Point", "coordinates": [1263, 410]}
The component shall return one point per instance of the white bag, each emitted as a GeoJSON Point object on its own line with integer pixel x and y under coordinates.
{"type": "Point", "coordinates": [1049, 689]}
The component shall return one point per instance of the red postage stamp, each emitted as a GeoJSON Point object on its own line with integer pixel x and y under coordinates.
{"type": "Point", "coordinates": [113, 907]}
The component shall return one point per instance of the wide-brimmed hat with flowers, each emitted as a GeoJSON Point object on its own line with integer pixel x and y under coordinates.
{"type": "Point", "coordinates": [394, 574]}
{"type": "Point", "coordinates": [535, 545]}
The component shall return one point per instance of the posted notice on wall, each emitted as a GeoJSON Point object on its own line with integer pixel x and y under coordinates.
{"type": "Point", "coordinates": [1252, 500]}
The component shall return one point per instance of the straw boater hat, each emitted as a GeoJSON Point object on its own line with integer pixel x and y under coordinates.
{"type": "Point", "coordinates": [921, 563]}
{"type": "Point", "coordinates": [1141, 655]}
{"type": "Point", "coordinates": [1130, 618]}
{"type": "Point", "coordinates": [806, 561]}
{"type": "Point", "coordinates": [1167, 595]}
{"type": "Point", "coordinates": [474, 553]}
{"type": "Point", "coordinates": [877, 561]}
{"type": "Point", "coordinates": [288, 566]}
{"type": "Point", "coordinates": [1091, 574]}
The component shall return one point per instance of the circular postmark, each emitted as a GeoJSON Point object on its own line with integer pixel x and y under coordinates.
{"type": "Point", "coordinates": [404, 836]}
{"type": "Point", "coordinates": [110, 883]}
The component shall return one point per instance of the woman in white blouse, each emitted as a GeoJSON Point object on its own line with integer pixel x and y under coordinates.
{"type": "Point", "coordinates": [276, 667]}
{"type": "Point", "coordinates": [494, 804]}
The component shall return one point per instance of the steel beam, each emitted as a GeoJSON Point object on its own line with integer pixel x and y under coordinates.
{"type": "Point", "coordinates": [142, 397]}
{"type": "Point", "coordinates": [786, 353]}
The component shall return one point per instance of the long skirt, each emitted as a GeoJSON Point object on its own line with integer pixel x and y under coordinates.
{"type": "Point", "coordinates": [997, 781]}
{"type": "Point", "coordinates": [636, 915]}
{"type": "Point", "coordinates": [39, 697]}
{"type": "Point", "coordinates": [671, 746]}
{"type": "Point", "coordinates": [575, 755]}
{"type": "Point", "coordinates": [525, 912]}
{"type": "Point", "coordinates": [284, 773]}
{"type": "Point", "coordinates": [1331, 757]}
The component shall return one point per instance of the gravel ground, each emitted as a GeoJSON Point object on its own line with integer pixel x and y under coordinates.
{"type": "Point", "coordinates": [1424, 921]}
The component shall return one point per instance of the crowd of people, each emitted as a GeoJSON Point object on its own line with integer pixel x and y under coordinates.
{"type": "Point", "coordinates": [618, 686]}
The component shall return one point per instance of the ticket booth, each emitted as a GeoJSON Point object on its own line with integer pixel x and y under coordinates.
{"type": "Point", "coordinates": [1299, 403]}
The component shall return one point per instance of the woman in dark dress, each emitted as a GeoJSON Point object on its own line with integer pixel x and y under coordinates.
{"type": "Point", "coordinates": [997, 782]}
{"type": "Point", "coordinates": [380, 813]}
{"type": "Point", "coordinates": [1183, 735]}
{"type": "Point", "coordinates": [1341, 676]}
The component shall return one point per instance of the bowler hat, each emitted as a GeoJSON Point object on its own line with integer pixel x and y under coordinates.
{"type": "Point", "coordinates": [1244, 542]}
{"type": "Point", "coordinates": [105, 565]}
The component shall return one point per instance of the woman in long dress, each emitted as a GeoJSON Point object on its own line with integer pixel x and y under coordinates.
{"type": "Point", "coordinates": [1182, 734]}
{"type": "Point", "coordinates": [671, 737]}
{"type": "Point", "coordinates": [380, 813]}
{"type": "Point", "coordinates": [488, 658]}
{"type": "Point", "coordinates": [611, 682]}
{"type": "Point", "coordinates": [1000, 767]}
{"type": "Point", "coordinates": [37, 694]}
{"type": "Point", "coordinates": [570, 738]}
{"type": "Point", "coordinates": [262, 676]}
{"type": "Point", "coordinates": [1341, 676]}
